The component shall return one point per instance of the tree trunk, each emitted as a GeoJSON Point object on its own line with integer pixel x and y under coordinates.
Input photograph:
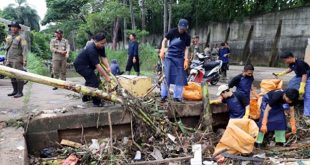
{"type": "Point", "coordinates": [124, 28]}
{"type": "Point", "coordinates": [165, 17]}
{"type": "Point", "coordinates": [207, 114]}
{"type": "Point", "coordinates": [274, 48]}
{"type": "Point", "coordinates": [14, 73]}
{"type": "Point", "coordinates": [142, 18]}
{"type": "Point", "coordinates": [115, 32]}
{"type": "Point", "coordinates": [132, 16]}
{"type": "Point", "coordinates": [169, 14]}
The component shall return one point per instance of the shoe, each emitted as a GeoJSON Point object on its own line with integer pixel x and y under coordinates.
{"type": "Point", "coordinates": [86, 98]}
{"type": "Point", "coordinates": [20, 87]}
{"type": "Point", "coordinates": [178, 100]}
{"type": "Point", "coordinates": [163, 99]}
{"type": "Point", "coordinates": [55, 88]}
{"type": "Point", "coordinates": [279, 144]}
{"type": "Point", "coordinates": [259, 146]}
{"type": "Point", "coordinates": [14, 84]}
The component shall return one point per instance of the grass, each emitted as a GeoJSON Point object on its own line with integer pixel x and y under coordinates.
{"type": "Point", "coordinates": [36, 65]}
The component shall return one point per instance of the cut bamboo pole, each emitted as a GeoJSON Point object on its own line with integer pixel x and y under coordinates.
{"type": "Point", "coordinates": [14, 73]}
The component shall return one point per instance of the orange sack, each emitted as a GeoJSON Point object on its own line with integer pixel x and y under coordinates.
{"type": "Point", "coordinates": [266, 86]}
{"type": "Point", "coordinates": [192, 91]}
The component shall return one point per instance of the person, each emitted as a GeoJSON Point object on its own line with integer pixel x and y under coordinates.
{"type": "Point", "coordinates": [301, 81]}
{"type": "Point", "coordinates": [207, 50]}
{"type": "Point", "coordinates": [115, 68]}
{"type": "Point", "coordinates": [224, 53]}
{"type": "Point", "coordinates": [88, 61]}
{"type": "Point", "coordinates": [272, 116]}
{"type": "Point", "coordinates": [243, 82]}
{"type": "Point", "coordinates": [16, 56]}
{"type": "Point", "coordinates": [237, 104]}
{"type": "Point", "coordinates": [60, 49]}
{"type": "Point", "coordinates": [133, 55]}
{"type": "Point", "coordinates": [175, 60]}
{"type": "Point", "coordinates": [196, 47]}
{"type": "Point", "coordinates": [214, 52]}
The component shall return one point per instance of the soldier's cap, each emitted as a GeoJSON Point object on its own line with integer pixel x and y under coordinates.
{"type": "Point", "coordinates": [14, 24]}
{"type": "Point", "coordinates": [183, 24]}
{"type": "Point", "coordinates": [59, 31]}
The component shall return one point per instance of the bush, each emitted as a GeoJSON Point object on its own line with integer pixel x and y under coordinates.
{"type": "Point", "coordinates": [40, 45]}
{"type": "Point", "coordinates": [36, 65]}
{"type": "Point", "coordinates": [72, 56]}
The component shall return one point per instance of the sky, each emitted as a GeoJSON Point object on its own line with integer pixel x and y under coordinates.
{"type": "Point", "coordinates": [39, 5]}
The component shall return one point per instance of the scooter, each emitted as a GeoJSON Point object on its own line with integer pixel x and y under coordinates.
{"type": "Point", "coordinates": [205, 69]}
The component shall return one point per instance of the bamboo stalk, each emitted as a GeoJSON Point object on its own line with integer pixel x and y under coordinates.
{"type": "Point", "coordinates": [14, 73]}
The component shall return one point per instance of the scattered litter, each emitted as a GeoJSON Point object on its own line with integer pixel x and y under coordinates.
{"type": "Point", "coordinates": [70, 143]}
{"type": "Point", "coordinates": [138, 156]}
{"type": "Point", "coordinates": [209, 163]}
{"type": "Point", "coordinates": [47, 152]}
{"type": "Point", "coordinates": [157, 154]}
{"type": "Point", "coordinates": [94, 147]}
{"type": "Point", "coordinates": [20, 147]}
{"type": "Point", "coordinates": [197, 160]}
{"type": "Point", "coordinates": [71, 160]}
{"type": "Point", "coordinates": [171, 137]}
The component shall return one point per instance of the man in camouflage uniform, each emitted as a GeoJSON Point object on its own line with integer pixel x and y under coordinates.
{"type": "Point", "coordinates": [60, 49]}
{"type": "Point", "coordinates": [16, 47]}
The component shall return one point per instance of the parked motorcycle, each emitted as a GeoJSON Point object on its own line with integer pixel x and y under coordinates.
{"type": "Point", "coordinates": [2, 60]}
{"type": "Point", "coordinates": [205, 69]}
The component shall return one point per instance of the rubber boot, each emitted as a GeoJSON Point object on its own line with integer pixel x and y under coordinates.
{"type": "Point", "coordinates": [14, 84]}
{"type": "Point", "coordinates": [138, 73]}
{"type": "Point", "coordinates": [20, 87]}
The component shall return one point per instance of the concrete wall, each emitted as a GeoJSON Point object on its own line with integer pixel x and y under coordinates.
{"type": "Point", "coordinates": [295, 31]}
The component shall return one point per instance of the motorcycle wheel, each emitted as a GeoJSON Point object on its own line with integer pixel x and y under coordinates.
{"type": "Point", "coordinates": [214, 82]}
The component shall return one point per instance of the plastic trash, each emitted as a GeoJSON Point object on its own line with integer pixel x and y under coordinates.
{"type": "Point", "coordinates": [192, 92]}
{"type": "Point", "coordinates": [94, 147]}
{"type": "Point", "coordinates": [137, 156]}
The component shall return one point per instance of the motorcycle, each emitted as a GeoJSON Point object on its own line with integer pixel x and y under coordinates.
{"type": "Point", "coordinates": [2, 60]}
{"type": "Point", "coordinates": [205, 69]}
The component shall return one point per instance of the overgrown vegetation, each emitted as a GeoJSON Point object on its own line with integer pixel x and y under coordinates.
{"type": "Point", "coordinates": [36, 65]}
{"type": "Point", "coordinates": [40, 45]}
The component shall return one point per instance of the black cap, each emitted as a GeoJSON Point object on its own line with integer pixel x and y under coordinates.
{"type": "Point", "coordinates": [183, 24]}
{"type": "Point", "coordinates": [286, 54]}
{"type": "Point", "coordinates": [14, 24]}
{"type": "Point", "coordinates": [59, 31]}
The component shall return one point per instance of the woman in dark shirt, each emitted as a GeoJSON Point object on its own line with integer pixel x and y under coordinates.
{"type": "Point", "coordinates": [272, 117]}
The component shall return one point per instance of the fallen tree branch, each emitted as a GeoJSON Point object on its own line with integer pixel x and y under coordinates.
{"type": "Point", "coordinates": [162, 161]}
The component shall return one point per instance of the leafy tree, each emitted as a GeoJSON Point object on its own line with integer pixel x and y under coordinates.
{"type": "Point", "coordinates": [40, 44]}
{"type": "Point", "coordinates": [22, 13]}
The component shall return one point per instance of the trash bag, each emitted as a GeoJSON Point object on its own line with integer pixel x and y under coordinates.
{"type": "Point", "coordinates": [266, 86]}
{"type": "Point", "coordinates": [192, 91]}
{"type": "Point", "coordinates": [239, 137]}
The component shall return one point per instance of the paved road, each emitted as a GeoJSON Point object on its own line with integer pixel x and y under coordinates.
{"type": "Point", "coordinates": [42, 98]}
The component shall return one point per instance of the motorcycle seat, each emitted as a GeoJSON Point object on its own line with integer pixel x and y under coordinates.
{"type": "Point", "coordinates": [211, 64]}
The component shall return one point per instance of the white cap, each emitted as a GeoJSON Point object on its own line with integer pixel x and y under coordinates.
{"type": "Point", "coordinates": [222, 88]}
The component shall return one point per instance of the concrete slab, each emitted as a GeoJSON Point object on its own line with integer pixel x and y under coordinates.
{"type": "Point", "coordinates": [13, 149]}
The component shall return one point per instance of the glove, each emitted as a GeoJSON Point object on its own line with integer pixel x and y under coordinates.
{"type": "Point", "coordinates": [302, 88]}
{"type": "Point", "coordinates": [215, 101]}
{"type": "Point", "coordinates": [162, 54]}
{"type": "Point", "coordinates": [247, 112]}
{"type": "Point", "coordinates": [263, 128]}
{"type": "Point", "coordinates": [185, 64]}
{"type": "Point", "coordinates": [293, 125]}
{"type": "Point", "coordinates": [280, 73]}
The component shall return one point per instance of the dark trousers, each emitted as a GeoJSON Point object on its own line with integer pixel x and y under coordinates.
{"type": "Point", "coordinates": [130, 64]}
{"type": "Point", "coordinates": [91, 81]}
{"type": "Point", "coordinates": [225, 67]}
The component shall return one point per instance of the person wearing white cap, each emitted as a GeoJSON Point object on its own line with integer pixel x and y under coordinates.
{"type": "Point", "coordinates": [237, 104]}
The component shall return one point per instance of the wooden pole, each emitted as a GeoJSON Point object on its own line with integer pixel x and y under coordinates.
{"type": "Point", "coordinates": [14, 73]}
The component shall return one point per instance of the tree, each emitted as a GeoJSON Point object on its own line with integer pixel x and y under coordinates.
{"type": "Point", "coordinates": [132, 15]}
{"type": "Point", "coordinates": [23, 14]}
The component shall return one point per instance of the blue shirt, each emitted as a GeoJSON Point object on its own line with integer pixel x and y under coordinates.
{"type": "Point", "coordinates": [222, 52]}
{"type": "Point", "coordinates": [300, 67]}
{"type": "Point", "coordinates": [133, 48]}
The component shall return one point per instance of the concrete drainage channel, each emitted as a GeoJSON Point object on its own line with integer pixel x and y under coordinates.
{"type": "Point", "coordinates": [47, 130]}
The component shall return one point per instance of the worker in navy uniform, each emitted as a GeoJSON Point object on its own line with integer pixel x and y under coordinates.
{"type": "Point", "coordinates": [16, 47]}
{"type": "Point", "coordinates": [237, 103]}
{"type": "Point", "coordinates": [301, 81]}
{"type": "Point", "coordinates": [88, 61]}
{"type": "Point", "coordinates": [272, 116]}
{"type": "Point", "coordinates": [133, 55]}
{"type": "Point", "coordinates": [243, 82]}
{"type": "Point", "coordinates": [175, 60]}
